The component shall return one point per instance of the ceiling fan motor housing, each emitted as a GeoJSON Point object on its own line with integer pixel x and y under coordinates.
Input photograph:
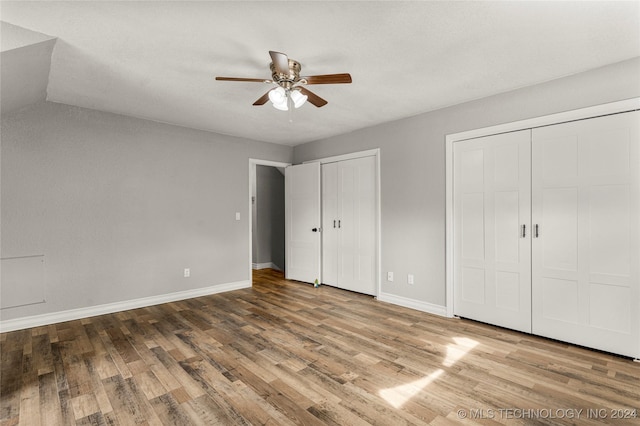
{"type": "Point", "coordinates": [286, 80]}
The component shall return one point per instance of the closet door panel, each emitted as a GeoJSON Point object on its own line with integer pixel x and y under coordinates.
{"type": "Point", "coordinates": [348, 232]}
{"type": "Point", "coordinates": [492, 270]}
{"type": "Point", "coordinates": [349, 224]}
{"type": "Point", "coordinates": [330, 223]}
{"type": "Point", "coordinates": [586, 194]}
{"type": "Point", "coordinates": [472, 228]}
{"type": "Point", "coordinates": [559, 233]}
{"type": "Point", "coordinates": [357, 236]}
{"type": "Point", "coordinates": [609, 242]}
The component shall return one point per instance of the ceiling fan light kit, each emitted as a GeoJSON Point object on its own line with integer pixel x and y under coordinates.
{"type": "Point", "coordinates": [281, 98]}
{"type": "Point", "coordinates": [289, 91]}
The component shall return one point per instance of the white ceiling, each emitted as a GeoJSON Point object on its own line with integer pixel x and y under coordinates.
{"type": "Point", "coordinates": [158, 60]}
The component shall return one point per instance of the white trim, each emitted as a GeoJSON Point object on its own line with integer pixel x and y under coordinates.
{"type": "Point", "coordinates": [378, 222]}
{"type": "Point", "coordinates": [418, 305]}
{"type": "Point", "coordinates": [266, 265]}
{"type": "Point", "coordinates": [546, 120]}
{"type": "Point", "coordinates": [448, 221]}
{"type": "Point", "coordinates": [253, 162]}
{"type": "Point", "coordinates": [109, 308]}
{"type": "Point", "coordinates": [349, 156]}
{"type": "Point", "coordinates": [268, 163]}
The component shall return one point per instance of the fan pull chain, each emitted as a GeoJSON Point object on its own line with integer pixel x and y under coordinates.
{"type": "Point", "coordinates": [290, 107]}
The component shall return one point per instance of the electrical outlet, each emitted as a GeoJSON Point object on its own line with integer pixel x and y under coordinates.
{"type": "Point", "coordinates": [237, 215]}
{"type": "Point", "coordinates": [390, 276]}
{"type": "Point", "coordinates": [410, 279]}
{"type": "Point", "coordinates": [187, 272]}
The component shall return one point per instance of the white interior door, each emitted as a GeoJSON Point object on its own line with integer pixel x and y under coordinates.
{"type": "Point", "coordinates": [586, 194]}
{"type": "Point", "coordinates": [492, 245]}
{"type": "Point", "coordinates": [302, 217]}
{"type": "Point", "coordinates": [357, 225]}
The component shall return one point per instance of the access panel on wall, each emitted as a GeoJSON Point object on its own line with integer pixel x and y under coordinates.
{"type": "Point", "coordinates": [586, 218]}
{"type": "Point", "coordinates": [492, 266]}
{"type": "Point", "coordinates": [349, 224]}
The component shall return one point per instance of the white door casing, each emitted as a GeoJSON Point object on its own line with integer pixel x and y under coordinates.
{"type": "Point", "coordinates": [586, 259]}
{"type": "Point", "coordinates": [302, 216]}
{"type": "Point", "coordinates": [492, 251]}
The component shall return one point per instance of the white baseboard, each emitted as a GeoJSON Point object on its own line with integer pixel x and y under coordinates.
{"type": "Point", "coordinates": [413, 304]}
{"type": "Point", "coordinates": [109, 308]}
{"type": "Point", "coordinates": [266, 265]}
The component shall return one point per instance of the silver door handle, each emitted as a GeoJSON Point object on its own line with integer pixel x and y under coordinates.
{"type": "Point", "coordinates": [535, 231]}
{"type": "Point", "coordinates": [524, 231]}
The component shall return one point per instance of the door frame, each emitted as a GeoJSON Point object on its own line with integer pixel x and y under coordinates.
{"type": "Point", "coordinates": [378, 249]}
{"type": "Point", "coordinates": [253, 162]}
{"type": "Point", "coordinates": [626, 105]}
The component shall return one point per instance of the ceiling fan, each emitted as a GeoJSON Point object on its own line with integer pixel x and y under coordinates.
{"type": "Point", "coordinates": [290, 90]}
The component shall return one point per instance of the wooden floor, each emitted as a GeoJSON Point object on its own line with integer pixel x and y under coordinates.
{"type": "Point", "coordinates": [285, 353]}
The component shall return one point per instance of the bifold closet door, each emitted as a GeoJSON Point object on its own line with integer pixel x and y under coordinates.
{"type": "Point", "coordinates": [349, 224]}
{"type": "Point", "coordinates": [492, 246]}
{"type": "Point", "coordinates": [330, 224]}
{"type": "Point", "coordinates": [586, 256]}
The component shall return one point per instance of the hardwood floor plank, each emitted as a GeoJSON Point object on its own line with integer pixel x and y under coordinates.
{"type": "Point", "coordinates": [49, 409]}
{"type": "Point", "coordinates": [10, 384]}
{"type": "Point", "coordinates": [123, 400]}
{"type": "Point", "coordinates": [169, 411]}
{"type": "Point", "coordinates": [286, 353]}
{"type": "Point", "coordinates": [84, 406]}
{"type": "Point", "coordinates": [30, 400]}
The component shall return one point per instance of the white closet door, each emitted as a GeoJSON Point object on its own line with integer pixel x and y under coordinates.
{"type": "Point", "coordinates": [330, 223]}
{"type": "Point", "coordinates": [492, 251]}
{"type": "Point", "coordinates": [349, 224]}
{"type": "Point", "coordinates": [586, 193]}
{"type": "Point", "coordinates": [302, 218]}
{"type": "Point", "coordinates": [356, 225]}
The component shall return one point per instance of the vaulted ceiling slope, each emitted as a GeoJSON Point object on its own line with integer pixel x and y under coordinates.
{"type": "Point", "coordinates": [25, 62]}
{"type": "Point", "coordinates": [158, 60]}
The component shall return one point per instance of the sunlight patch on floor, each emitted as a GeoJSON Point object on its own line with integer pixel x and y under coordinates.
{"type": "Point", "coordinates": [457, 351]}
{"type": "Point", "coordinates": [399, 395]}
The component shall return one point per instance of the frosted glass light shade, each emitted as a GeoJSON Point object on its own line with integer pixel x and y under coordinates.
{"type": "Point", "coordinates": [282, 106]}
{"type": "Point", "coordinates": [298, 98]}
{"type": "Point", "coordinates": [277, 95]}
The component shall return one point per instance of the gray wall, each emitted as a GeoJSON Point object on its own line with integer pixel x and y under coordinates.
{"type": "Point", "coordinates": [413, 166]}
{"type": "Point", "coordinates": [270, 216]}
{"type": "Point", "coordinates": [120, 206]}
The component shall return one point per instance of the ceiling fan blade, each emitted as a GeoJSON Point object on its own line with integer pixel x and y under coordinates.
{"type": "Point", "coordinates": [262, 100]}
{"type": "Point", "coordinates": [256, 80]}
{"type": "Point", "coordinates": [329, 79]}
{"type": "Point", "coordinates": [280, 62]}
{"type": "Point", "coordinates": [313, 98]}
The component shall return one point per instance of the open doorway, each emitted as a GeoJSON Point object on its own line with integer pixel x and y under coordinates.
{"type": "Point", "coordinates": [267, 204]}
